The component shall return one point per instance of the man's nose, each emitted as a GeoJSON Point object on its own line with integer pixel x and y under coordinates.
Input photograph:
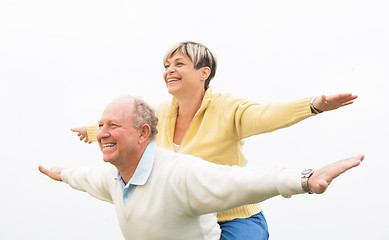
{"type": "Point", "coordinates": [102, 133]}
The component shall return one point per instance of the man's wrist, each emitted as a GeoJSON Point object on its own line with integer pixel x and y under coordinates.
{"type": "Point", "coordinates": [304, 180]}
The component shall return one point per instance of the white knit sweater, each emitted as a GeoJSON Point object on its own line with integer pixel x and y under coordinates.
{"type": "Point", "coordinates": [180, 190]}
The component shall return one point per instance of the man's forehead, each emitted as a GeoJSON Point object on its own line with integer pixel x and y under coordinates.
{"type": "Point", "coordinates": [117, 112]}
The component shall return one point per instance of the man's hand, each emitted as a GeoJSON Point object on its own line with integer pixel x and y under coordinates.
{"type": "Point", "coordinates": [82, 133]}
{"type": "Point", "coordinates": [328, 103]}
{"type": "Point", "coordinates": [319, 181]}
{"type": "Point", "coordinates": [53, 173]}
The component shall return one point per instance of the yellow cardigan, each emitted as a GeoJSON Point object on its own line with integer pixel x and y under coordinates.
{"type": "Point", "coordinates": [216, 132]}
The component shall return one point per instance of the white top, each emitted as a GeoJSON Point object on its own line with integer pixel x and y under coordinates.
{"type": "Point", "coordinates": [179, 190]}
{"type": "Point", "coordinates": [176, 146]}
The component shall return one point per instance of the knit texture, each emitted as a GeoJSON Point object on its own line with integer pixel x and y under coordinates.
{"type": "Point", "coordinates": [181, 192]}
{"type": "Point", "coordinates": [218, 128]}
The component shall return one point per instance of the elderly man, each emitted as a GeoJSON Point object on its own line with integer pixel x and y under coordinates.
{"type": "Point", "coordinates": [159, 194]}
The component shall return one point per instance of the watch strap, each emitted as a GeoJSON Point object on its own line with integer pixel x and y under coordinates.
{"type": "Point", "coordinates": [313, 109]}
{"type": "Point", "coordinates": [304, 180]}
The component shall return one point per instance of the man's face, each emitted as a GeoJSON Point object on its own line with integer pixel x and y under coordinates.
{"type": "Point", "coordinates": [118, 139]}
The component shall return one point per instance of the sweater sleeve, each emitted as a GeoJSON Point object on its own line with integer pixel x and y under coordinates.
{"type": "Point", "coordinates": [252, 118]}
{"type": "Point", "coordinates": [92, 132]}
{"type": "Point", "coordinates": [216, 188]}
{"type": "Point", "coordinates": [94, 181]}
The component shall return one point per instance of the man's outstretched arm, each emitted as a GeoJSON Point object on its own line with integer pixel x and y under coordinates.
{"type": "Point", "coordinates": [319, 181]}
{"type": "Point", "coordinates": [92, 180]}
{"type": "Point", "coordinates": [234, 186]}
{"type": "Point", "coordinates": [53, 173]}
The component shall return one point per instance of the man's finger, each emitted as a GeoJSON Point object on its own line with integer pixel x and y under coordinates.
{"type": "Point", "coordinates": [346, 103]}
{"type": "Point", "coordinates": [43, 170]}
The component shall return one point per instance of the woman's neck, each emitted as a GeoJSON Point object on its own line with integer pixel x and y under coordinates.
{"type": "Point", "coordinates": [187, 107]}
{"type": "Point", "coordinates": [186, 112]}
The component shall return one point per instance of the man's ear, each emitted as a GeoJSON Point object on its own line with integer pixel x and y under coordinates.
{"type": "Point", "coordinates": [205, 72]}
{"type": "Point", "coordinates": [144, 133]}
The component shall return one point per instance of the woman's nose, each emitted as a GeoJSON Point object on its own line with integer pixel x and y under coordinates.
{"type": "Point", "coordinates": [170, 69]}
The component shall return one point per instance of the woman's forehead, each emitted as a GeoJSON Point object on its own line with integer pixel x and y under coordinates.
{"type": "Point", "coordinates": [176, 56]}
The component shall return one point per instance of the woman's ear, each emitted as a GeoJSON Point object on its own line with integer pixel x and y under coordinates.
{"type": "Point", "coordinates": [205, 72]}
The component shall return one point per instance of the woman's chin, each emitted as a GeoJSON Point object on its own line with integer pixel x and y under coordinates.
{"type": "Point", "coordinates": [172, 90]}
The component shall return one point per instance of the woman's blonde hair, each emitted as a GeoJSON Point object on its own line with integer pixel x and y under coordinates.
{"type": "Point", "coordinates": [198, 54]}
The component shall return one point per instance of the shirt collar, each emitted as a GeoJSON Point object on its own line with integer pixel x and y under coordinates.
{"type": "Point", "coordinates": [206, 100]}
{"type": "Point", "coordinates": [145, 165]}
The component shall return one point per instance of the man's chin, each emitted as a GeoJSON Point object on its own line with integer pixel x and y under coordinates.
{"type": "Point", "coordinates": [108, 159]}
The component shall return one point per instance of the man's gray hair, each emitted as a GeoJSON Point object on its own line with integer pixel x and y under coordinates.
{"type": "Point", "coordinates": [144, 114]}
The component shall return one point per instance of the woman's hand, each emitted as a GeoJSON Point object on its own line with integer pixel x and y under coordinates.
{"type": "Point", "coordinates": [82, 133]}
{"type": "Point", "coordinates": [328, 103]}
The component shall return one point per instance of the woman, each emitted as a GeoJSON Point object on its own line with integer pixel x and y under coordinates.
{"type": "Point", "coordinates": [212, 126]}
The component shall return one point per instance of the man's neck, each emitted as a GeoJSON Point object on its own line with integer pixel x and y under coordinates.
{"type": "Point", "coordinates": [127, 168]}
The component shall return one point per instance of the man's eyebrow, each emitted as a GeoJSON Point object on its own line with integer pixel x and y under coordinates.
{"type": "Point", "coordinates": [108, 122]}
{"type": "Point", "coordinates": [100, 122]}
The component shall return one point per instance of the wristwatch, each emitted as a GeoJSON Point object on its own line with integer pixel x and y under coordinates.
{"type": "Point", "coordinates": [313, 109]}
{"type": "Point", "coordinates": [304, 180]}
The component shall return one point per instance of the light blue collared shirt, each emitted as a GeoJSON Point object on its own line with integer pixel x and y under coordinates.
{"type": "Point", "coordinates": [142, 172]}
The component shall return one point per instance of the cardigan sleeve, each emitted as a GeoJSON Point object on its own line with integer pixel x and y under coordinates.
{"type": "Point", "coordinates": [94, 181]}
{"type": "Point", "coordinates": [250, 118]}
{"type": "Point", "coordinates": [92, 132]}
{"type": "Point", "coordinates": [216, 188]}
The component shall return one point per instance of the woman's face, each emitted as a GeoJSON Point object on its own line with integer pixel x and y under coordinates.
{"type": "Point", "coordinates": [181, 78]}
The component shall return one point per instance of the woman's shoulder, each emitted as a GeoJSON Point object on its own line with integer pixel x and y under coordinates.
{"type": "Point", "coordinates": [165, 107]}
{"type": "Point", "coordinates": [226, 99]}
{"type": "Point", "coordinates": [165, 104]}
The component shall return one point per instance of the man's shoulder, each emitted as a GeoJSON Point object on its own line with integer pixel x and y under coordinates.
{"type": "Point", "coordinates": [172, 159]}
{"type": "Point", "coordinates": [163, 154]}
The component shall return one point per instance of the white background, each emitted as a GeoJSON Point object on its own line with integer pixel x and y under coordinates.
{"type": "Point", "coordinates": [61, 62]}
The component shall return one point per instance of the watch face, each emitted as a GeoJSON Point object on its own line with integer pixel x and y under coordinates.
{"type": "Point", "coordinates": [306, 172]}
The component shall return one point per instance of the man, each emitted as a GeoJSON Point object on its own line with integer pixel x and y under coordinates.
{"type": "Point", "coordinates": [159, 194]}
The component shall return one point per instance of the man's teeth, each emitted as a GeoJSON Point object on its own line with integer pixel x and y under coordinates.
{"type": "Point", "coordinates": [109, 145]}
